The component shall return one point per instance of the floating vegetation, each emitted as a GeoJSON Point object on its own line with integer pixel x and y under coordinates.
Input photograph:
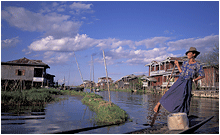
{"type": "Point", "coordinates": [28, 97]}
{"type": "Point", "coordinates": [106, 112]}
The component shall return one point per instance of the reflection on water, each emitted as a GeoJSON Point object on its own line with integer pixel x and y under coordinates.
{"type": "Point", "coordinates": [65, 115]}
{"type": "Point", "coordinates": [71, 114]}
{"type": "Point", "coordinates": [205, 107]}
{"type": "Point", "coordinates": [140, 108]}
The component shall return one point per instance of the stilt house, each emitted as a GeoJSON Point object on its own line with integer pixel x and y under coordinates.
{"type": "Point", "coordinates": [25, 73]}
{"type": "Point", "coordinates": [102, 82]}
{"type": "Point", "coordinates": [161, 71]}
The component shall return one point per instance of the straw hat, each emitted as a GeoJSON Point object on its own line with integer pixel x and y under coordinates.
{"type": "Point", "coordinates": [193, 49]}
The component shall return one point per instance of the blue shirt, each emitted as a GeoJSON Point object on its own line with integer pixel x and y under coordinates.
{"type": "Point", "coordinates": [191, 70]}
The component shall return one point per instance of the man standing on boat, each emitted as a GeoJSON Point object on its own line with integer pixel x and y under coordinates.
{"type": "Point", "coordinates": [178, 97]}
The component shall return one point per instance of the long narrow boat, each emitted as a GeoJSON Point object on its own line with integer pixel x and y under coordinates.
{"type": "Point", "coordinates": [159, 128]}
{"type": "Point", "coordinates": [194, 124]}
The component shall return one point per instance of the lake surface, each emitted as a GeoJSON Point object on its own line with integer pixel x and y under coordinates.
{"type": "Point", "coordinates": [70, 114]}
{"type": "Point", "coordinates": [140, 108]}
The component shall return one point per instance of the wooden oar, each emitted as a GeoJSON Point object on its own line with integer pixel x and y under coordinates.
{"type": "Point", "coordinates": [155, 115]}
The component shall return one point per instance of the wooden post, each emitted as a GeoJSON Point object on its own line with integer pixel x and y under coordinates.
{"type": "Point", "coordinates": [43, 79]}
{"type": "Point", "coordinates": [79, 70]}
{"type": "Point", "coordinates": [90, 77]}
{"type": "Point", "coordinates": [93, 73]}
{"type": "Point", "coordinates": [106, 76]}
{"type": "Point", "coordinates": [64, 84]}
{"type": "Point", "coordinates": [6, 84]}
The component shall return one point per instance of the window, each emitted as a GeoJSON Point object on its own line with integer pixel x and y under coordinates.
{"type": "Point", "coordinates": [38, 72]}
{"type": "Point", "coordinates": [152, 68]}
{"type": "Point", "coordinates": [20, 72]}
{"type": "Point", "coordinates": [161, 67]}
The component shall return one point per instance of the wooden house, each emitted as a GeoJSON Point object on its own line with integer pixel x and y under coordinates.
{"type": "Point", "coordinates": [211, 80]}
{"type": "Point", "coordinates": [102, 82]}
{"type": "Point", "coordinates": [127, 82]}
{"type": "Point", "coordinates": [161, 71]}
{"type": "Point", "coordinates": [147, 81]}
{"type": "Point", "coordinates": [88, 83]}
{"type": "Point", "coordinates": [25, 73]}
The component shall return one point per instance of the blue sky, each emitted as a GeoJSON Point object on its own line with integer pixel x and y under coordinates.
{"type": "Point", "coordinates": [132, 34]}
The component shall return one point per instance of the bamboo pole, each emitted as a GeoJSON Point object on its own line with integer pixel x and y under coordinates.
{"type": "Point", "coordinates": [93, 82]}
{"type": "Point", "coordinates": [170, 78]}
{"type": "Point", "coordinates": [93, 73]}
{"type": "Point", "coordinates": [91, 76]}
{"type": "Point", "coordinates": [64, 84]}
{"type": "Point", "coordinates": [79, 69]}
{"type": "Point", "coordinates": [155, 115]}
{"type": "Point", "coordinates": [106, 76]}
{"type": "Point", "coordinates": [43, 78]}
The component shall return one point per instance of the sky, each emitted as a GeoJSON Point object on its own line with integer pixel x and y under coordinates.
{"type": "Point", "coordinates": [131, 33]}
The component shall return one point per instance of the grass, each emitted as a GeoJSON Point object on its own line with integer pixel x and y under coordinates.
{"type": "Point", "coordinates": [106, 112]}
{"type": "Point", "coordinates": [29, 97]}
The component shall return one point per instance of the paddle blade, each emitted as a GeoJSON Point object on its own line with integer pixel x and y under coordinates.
{"type": "Point", "coordinates": [155, 116]}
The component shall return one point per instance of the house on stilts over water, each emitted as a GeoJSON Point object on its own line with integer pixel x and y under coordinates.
{"type": "Point", "coordinates": [25, 74]}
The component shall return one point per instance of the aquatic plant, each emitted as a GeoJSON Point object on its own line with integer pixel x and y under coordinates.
{"type": "Point", "coordinates": [28, 97]}
{"type": "Point", "coordinates": [106, 112]}
{"type": "Point", "coordinates": [73, 92]}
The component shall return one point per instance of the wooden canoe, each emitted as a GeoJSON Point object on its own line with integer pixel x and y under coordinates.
{"type": "Point", "coordinates": [162, 128]}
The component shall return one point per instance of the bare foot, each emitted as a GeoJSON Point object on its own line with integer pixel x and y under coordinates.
{"type": "Point", "coordinates": [156, 108]}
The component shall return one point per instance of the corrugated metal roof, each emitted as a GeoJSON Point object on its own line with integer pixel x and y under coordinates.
{"type": "Point", "coordinates": [25, 61]}
{"type": "Point", "coordinates": [151, 79]}
{"type": "Point", "coordinates": [180, 59]}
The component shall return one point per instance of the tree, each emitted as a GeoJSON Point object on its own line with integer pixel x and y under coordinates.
{"type": "Point", "coordinates": [211, 67]}
{"type": "Point", "coordinates": [211, 58]}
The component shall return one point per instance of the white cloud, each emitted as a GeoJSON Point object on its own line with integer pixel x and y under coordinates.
{"type": "Point", "coordinates": [139, 56]}
{"type": "Point", "coordinates": [201, 44]}
{"type": "Point", "coordinates": [9, 42]}
{"type": "Point", "coordinates": [55, 4]}
{"type": "Point", "coordinates": [169, 32]}
{"type": "Point", "coordinates": [54, 24]}
{"type": "Point", "coordinates": [79, 8]}
{"type": "Point", "coordinates": [78, 5]}
{"type": "Point", "coordinates": [51, 57]}
{"type": "Point", "coordinates": [114, 43]}
{"type": "Point", "coordinates": [121, 51]}
{"type": "Point", "coordinates": [66, 44]}
{"type": "Point", "coordinates": [152, 42]}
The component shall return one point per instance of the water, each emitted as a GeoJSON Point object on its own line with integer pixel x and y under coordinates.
{"type": "Point", "coordinates": [65, 115]}
{"type": "Point", "coordinates": [140, 108]}
{"type": "Point", "coordinates": [71, 114]}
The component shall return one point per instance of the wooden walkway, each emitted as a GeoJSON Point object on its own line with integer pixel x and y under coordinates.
{"type": "Point", "coordinates": [206, 93]}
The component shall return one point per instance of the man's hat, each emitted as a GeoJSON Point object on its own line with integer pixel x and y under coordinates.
{"type": "Point", "coordinates": [193, 49]}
